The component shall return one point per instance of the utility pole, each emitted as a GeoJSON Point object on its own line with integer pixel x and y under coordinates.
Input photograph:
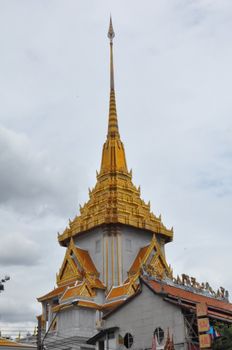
{"type": "Point", "coordinates": [39, 334]}
{"type": "Point", "coordinates": [2, 281]}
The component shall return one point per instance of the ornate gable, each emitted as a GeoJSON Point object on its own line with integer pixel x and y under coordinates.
{"type": "Point", "coordinates": [149, 258]}
{"type": "Point", "coordinates": [151, 261]}
{"type": "Point", "coordinates": [82, 289]}
{"type": "Point", "coordinates": [77, 264]}
{"type": "Point", "coordinates": [122, 291]}
{"type": "Point", "coordinates": [69, 270]}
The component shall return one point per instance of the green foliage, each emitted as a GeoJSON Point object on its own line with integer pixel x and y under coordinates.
{"type": "Point", "coordinates": [225, 341]}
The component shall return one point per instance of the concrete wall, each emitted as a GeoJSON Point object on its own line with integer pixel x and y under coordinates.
{"type": "Point", "coordinates": [76, 322]}
{"type": "Point", "coordinates": [113, 251]}
{"type": "Point", "coordinates": [143, 314]}
{"type": "Point", "coordinates": [88, 242]}
{"type": "Point", "coordinates": [132, 240]}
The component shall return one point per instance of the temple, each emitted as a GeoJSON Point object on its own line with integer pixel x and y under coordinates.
{"type": "Point", "coordinates": [112, 247]}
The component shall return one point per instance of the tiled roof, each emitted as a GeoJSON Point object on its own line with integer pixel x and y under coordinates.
{"type": "Point", "coordinates": [138, 260]}
{"type": "Point", "coordinates": [10, 343]}
{"type": "Point", "coordinates": [97, 283]}
{"type": "Point", "coordinates": [70, 285]}
{"type": "Point", "coordinates": [81, 303]}
{"type": "Point", "coordinates": [86, 260]}
{"type": "Point", "coordinates": [82, 289]}
{"type": "Point", "coordinates": [55, 292]}
{"type": "Point", "coordinates": [118, 304]}
{"type": "Point", "coordinates": [112, 304]}
{"type": "Point", "coordinates": [119, 291]}
{"type": "Point", "coordinates": [88, 304]}
{"type": "Point", "coordinates": [188, 296]}
{"type": "Point", "coordinates": [71, 292]}
{"type": "Point", "coordinates": [218, 314]}
{"type": "Point", "coordinates": [77, 263]}
{"type": "Point", "coordinates": [218, 309]}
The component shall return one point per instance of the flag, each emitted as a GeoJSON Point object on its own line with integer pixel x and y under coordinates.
{"type": "Point", "coordinates": [213, 332]}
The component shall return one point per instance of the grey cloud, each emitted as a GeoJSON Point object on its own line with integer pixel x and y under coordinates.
{"type": "Point", "coordinates": [15, 311]}
{"type": "Point", "coordinates": [173, 86]}
{"type": "Point", "coordinates": [29, 181]}
{"type": "Point", "coordinates": [216, 183]}
{"type": "Point", "coordinates": [20, 175]}
{"type": "Point", "coordinates": [18, 250]}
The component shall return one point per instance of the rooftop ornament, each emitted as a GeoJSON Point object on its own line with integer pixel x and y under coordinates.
{"type": "Point", "coordinates": [188, 283]}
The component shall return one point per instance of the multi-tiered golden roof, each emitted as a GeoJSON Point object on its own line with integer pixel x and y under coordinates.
{"type": "Point", "coordinates": [114, 199]}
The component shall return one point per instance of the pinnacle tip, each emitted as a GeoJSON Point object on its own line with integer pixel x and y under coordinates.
{"type": "Point", "coordinates": [111, 33]}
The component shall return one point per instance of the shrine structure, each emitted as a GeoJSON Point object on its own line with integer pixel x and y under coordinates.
{"type": "Point", "coordinates": [110, 245]}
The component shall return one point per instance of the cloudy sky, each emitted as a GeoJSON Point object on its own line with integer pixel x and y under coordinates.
{"type": "Point", "coordinates": [173, 87]}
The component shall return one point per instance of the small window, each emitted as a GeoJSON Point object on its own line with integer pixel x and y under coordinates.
{"type": "Point", "coordinates": [128, 340]}
{"type": "Point", "coordinates": [128, 245]}
{"type": "Point", "coordinates": [159, 333]}
{"type": "Point", "coordinates": [111, 335]}
{"type": "Point", "coordinates": [55, 301]}
{"type": "Point", "coordinates": [98, 246]}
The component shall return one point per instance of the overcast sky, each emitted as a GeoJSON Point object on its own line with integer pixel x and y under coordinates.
{"type": "Point", "coordinates": [173, 80]}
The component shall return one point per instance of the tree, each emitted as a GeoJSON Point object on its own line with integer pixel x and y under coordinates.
{"type": "Point", "coordinates": [224, 342]}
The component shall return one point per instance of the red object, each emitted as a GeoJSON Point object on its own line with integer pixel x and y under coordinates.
{"type": "Point", "coordinates": [154, 343]}
{"type": "Point", "coordinates": [222, 308]}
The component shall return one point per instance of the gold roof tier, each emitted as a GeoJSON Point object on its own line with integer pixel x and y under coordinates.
{"type": "Point", "coordinates": [114, 199]}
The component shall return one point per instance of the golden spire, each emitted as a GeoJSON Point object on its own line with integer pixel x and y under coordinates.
{"type": "Point", "coordinates": [114, 198]}
{"type": "Point", "coordinates": [113, 121]}
{"type": "Point", "coordinates": [113, 154]}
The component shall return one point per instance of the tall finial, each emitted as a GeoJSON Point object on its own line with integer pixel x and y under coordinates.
{"type": "Point", "coordinates": [113, 122]}
{"type": "Point", "coordinates": [111, 35]}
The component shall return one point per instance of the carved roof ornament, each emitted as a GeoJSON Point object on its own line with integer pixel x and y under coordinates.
{"type": "Point", "coordinates": [190, 283]}
{"type": "Point", "coordinates": [114, 199]}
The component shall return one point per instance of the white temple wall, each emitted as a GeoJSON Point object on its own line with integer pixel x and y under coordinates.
{"type": "Point", "coordinates": [132, 240]}
{"type": "Point", "coordinates": [161, 242]}
{"type": "Point", "coordinates": [77, 322]}
{"type": "Point", "coordinates": [100, 296]}
{"type": "Point", "coordinates": [113, 251]}
{"type": "Point", "coordinates": [142, 315]}
{"type": "Point", "coordinates": [92, 241]}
